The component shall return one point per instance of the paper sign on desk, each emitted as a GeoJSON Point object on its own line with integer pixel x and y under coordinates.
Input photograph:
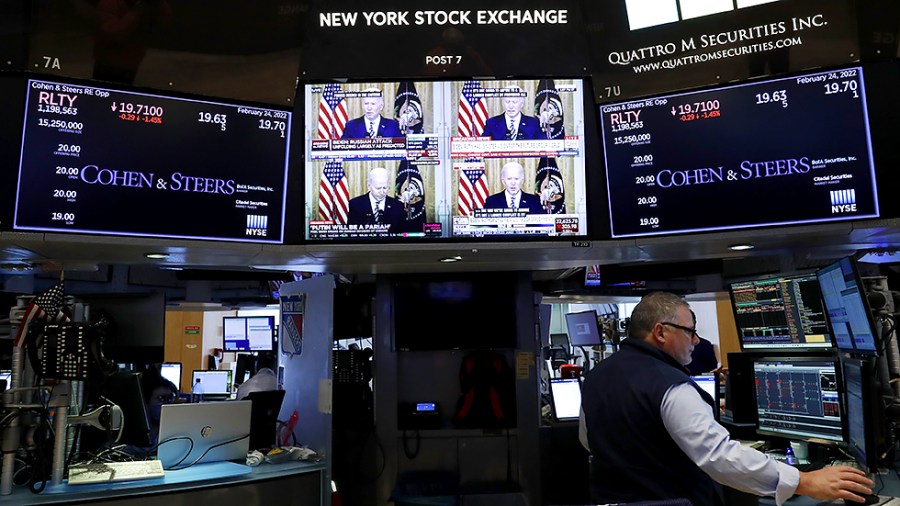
{"type": "Point", "coordinates": [524, 362]}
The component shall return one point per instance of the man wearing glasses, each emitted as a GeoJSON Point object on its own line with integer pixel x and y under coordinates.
{"type": "Point", "coordinates": [652, 434]}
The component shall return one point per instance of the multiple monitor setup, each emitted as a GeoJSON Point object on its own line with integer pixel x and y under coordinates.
{"type": "Point", "coordinates": [402, 161]}
{"type": "Point", "coordinates": [454, 159]}
{"type": "Point", "coordinates": [811, 349]}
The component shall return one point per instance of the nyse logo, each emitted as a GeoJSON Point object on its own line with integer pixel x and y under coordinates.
{"type": "Point", "coordinates": [256, 225]}
{"type": "Point", "coordinates": [843, 201]}
{"type": "Point", "coordinates": [647, 13]}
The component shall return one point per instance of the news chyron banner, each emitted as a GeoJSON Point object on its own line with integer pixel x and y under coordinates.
{"type": "Point", "coordinates": [460, 38]}
{"type": "Point", "coordinates": [646, 47]}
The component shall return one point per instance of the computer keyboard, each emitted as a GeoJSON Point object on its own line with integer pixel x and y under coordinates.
{"type": "Point", "coordinates": [99, 472]}
{"type": "Point", "coordinates": [812, 466]}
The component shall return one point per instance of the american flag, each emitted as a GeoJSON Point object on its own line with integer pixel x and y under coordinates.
{"type": "Point", "coordinates": [46, 307]}
{"type": "Point", "coordinates": [334, 199]}
{"type": "Point", "coordinates": [332, 113]}
{"type": "Point", "coordinates": [472, 191]}
{"type": "Point", "coordinates": [472, 111]}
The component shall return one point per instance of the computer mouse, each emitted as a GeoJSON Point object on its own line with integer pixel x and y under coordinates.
{"type": "Point", "coordinates": [869, 499]}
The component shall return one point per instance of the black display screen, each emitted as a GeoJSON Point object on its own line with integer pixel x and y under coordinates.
{"type": "Point", "coordinates": [775, 152]}
{"type": "Point", "coordinates": [645, 47]}
{"type": "Point", "coordinates": [109, 161]}
{"type": "Point", "coordinates": [440, 39]}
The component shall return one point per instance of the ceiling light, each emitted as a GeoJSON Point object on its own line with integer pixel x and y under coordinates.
{"type": "Point", "coordinates": [741, 247]}
{"type": "Point", "coordinates": [448, 260]}
{"type": "Point", "coordinates": [156, 256]}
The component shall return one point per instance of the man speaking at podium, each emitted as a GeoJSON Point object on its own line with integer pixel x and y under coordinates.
{"type": "Point", "coordinates": [376, 207]}
{"type": "Point", "coordinates": [512, 125]}
{"type": "Point", "coordinates": [512, 197]}
{"type": "Point", "coordinates": [372, 123]}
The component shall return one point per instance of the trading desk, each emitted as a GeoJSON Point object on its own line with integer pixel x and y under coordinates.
{"type": "Point", "coordinates": [214, 484]}
{"type": "Point", "coordinates": [886, 484]}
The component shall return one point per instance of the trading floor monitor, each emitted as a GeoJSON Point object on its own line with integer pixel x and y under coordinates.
{"type": "Point", "coordinates": [798, 398]}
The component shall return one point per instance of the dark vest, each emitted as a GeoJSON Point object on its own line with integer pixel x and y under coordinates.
{"type": "Point", "coordinates": [633, 457]}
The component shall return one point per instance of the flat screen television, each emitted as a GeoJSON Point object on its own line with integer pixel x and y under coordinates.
{"type": "Point", "coordinates": [584, 330]}
{"type": "Point", "coordinates": [799, 398]}
{"type": "Point", "coordinates": [115, 160]}
{"type": "Point", "coordinates": [445, 159]}
{"type": "Point", "coordinates": [248, 333]}
{"type": "Point", "coordinates": [460, 311]}
{"type": "Point", "coordinates": [847, 308]}
{"type": "Point", "coordinates": [780, 313]}
{"type": "Point", "coordinates": [780, 151]}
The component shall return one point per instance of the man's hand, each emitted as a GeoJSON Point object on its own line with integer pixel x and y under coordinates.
{"type": "Point", "coordinates": [835, 482]}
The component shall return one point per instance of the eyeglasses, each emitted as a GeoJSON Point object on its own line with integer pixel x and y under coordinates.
{"type": "Point", "coordinates": [690, 331]}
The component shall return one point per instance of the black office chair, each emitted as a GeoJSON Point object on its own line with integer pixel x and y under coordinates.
{"type": "Point", "coordinates": [264, 417]}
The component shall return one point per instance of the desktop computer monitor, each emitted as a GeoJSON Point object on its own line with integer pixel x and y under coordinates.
{"type": "Point", "coordinates": [847, 308]}
{"type": "Point", "coordinates": [566, 396]}
{"type": "Point", "coordinates": [5, 377]}
{"type": "Point", "coordinates": [124, 390]}
{"type": "Point", "coordinates": [584, 329]}
{"type": "Point", "coordinates": [172, 372]}
{"type": "Point", "coordinates": [212, 383]}
{"type": "Point", "coordinates": [798, 398]}
{"type": "Point", "coordinates": [865, 412]}
{"type": "Point", "coordinates": [709, 383]}
{"type": "Point", "coordinates": [780, 313]}
{"type": "Point", "coordinates": [248, 333]}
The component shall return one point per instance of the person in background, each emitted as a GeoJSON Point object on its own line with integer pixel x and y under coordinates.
{"type": "Point", "coordinates": [157, 391]}
{"type": "Point", "coordinates": [214, 359]}
{"type": "Point", "coordinates": [265, 378]}
{"type": "Point", "coordinates": [703, 358]}
{"type": "Point", "coordinates": [651, 431]}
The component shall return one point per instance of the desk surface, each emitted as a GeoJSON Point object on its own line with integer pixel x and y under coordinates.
{"type": "Point", "coordinates": [886, 484]}
{"type": "Point", "coordinates": [198, 476]}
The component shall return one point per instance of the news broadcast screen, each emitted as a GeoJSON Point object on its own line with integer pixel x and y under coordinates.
{"type": "Point", "coordinates": [776, 152]}
{"type": "Point", "coordinates": [445, 159]}
{"type": "Point", "coordinates": [117, 161]}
